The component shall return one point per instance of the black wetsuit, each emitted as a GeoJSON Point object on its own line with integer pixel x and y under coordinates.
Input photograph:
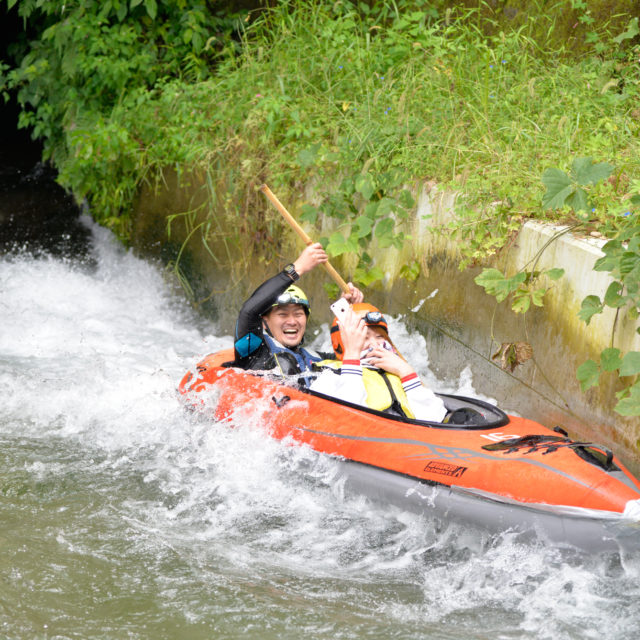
{"type": "Point", "coordinates": [254, 349]}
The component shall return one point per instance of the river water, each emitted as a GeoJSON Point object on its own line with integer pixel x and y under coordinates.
{"type": "Point", "coordinates": [122, 516]}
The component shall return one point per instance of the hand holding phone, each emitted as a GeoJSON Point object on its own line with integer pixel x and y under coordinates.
{"type": "Point", "coordinates": [353, 330]}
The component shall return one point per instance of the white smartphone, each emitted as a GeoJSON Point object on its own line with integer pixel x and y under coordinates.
{"type": "Point", "coordinates": [340, 308]}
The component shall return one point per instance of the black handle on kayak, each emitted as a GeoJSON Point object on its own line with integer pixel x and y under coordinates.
{"type": "Point", "coordinates": [280, 402]}
{"type": "Point", "coordinates": [584, 450]}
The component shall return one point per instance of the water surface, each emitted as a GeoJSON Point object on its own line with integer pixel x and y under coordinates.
{"type": "Point", "coordinates": [125, 517]}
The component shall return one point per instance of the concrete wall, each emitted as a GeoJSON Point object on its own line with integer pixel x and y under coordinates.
{"type": "Point", "coordinates": [465, 327]}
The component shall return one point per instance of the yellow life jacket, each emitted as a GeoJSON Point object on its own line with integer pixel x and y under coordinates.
{"type": "Point", "coordinates": [382, 388]}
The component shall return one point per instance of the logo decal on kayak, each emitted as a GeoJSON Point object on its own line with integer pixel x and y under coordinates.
{"type": "Point", "coordinates": [445, 469]}
{"type": "Point", "coordinates": [498, 436]}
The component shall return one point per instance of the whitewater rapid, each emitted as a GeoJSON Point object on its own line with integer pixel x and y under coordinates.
{"type": "Point", "coordinates": [126, 517]}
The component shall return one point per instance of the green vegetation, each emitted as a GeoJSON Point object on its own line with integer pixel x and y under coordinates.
{"type": "Point", "coordinates": [363, 101]}
{"type": "Point", "coordinates": [362, 98]}
{"type": "Point", "coordinates": [93, 65]}
{"type": "Point", "coordinates": [621, 261]}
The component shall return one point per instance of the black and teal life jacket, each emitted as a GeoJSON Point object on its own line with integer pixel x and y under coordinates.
{"type": "Point", "coordinates": [291, 362]}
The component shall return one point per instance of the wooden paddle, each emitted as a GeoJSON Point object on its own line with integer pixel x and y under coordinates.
{"type": "Point", "coordinates": [302, 233]}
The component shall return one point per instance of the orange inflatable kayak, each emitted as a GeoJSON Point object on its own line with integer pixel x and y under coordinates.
{"type": "Point", "coordinates": [507, 472]}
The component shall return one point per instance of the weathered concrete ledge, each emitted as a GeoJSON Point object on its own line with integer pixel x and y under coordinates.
{"type": "Point", "coordinates": [462, 325]}
{"type": "Point", "coordinates": [553, 245]}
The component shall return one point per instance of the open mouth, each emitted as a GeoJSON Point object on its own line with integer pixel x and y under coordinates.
{"type": "Point", "coordinates": [291, 334]}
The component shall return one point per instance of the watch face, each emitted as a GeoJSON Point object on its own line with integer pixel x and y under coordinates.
{"type": "Point", "coordinates": [290, 270]}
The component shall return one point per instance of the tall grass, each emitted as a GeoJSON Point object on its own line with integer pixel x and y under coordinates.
{"type": "Point", "coordinates": [323, 94]}
{"type": "Point", "coordinates": [359, 103]}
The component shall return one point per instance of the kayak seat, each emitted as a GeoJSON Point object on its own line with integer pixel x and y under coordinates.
{"type": "Point", "coordinates": [465, 416]}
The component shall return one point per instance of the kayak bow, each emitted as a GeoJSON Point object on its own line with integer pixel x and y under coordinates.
{"type": "Point", "coordinates": [493, 470]}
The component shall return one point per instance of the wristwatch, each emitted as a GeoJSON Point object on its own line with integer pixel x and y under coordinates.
{"type": "Point", "coordinates": [290, 270]}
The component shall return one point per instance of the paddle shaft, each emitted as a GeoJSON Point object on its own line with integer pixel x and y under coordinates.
{"type": "Point", "coordinates": [303, 234]}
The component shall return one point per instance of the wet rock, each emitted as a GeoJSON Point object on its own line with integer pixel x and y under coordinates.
{"type": "Point", "coordinates": [37, 215]}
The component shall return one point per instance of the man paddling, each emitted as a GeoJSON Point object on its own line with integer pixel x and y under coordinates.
{"type": "Point", "coordinates": [272, 322]}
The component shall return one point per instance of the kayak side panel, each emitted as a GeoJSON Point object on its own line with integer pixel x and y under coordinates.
{"type": "Point", "coordinates": [442, 455]}
{"type": "Point", "coordinates": [586, 532]}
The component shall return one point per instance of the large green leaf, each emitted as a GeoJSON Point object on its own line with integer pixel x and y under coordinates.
{"type": "Point", "coordinates": [371, 208]}
{"type": "Point", "coordinates": [152, 8]}
{"type": "Point", "coordinates": [588, 373]}
{"type": "Point", "coordinates": [386, 206]}
{"type": "Point", "coordinates": [630, 406]}
{"type": "Point", "coordinates": [628, 262]}
{"type": "Point", "coordinates": [497, 284]}
{"type": "Point", "coordinates": [365, 185]}
{"type": "Point", "coordinates": [613, 297]}
{"type": "Point", "coordinates": [630, 364]}
{"type": "Point", "coordinates": [537, 297]}
{"type": "Point", "coordinates": [554, 274]}
{"type": "Point", "coordinates": [521, 302]}
{"type": "Point", "coordinates": [610, 359]}
{"type": "Point", "coordinates": [606, 263]}
{"type": "Point", "coordinates": [591, 306]}
{"type": "Point", "coordinates": [578, 200]}
{"type": "Point", "coordinates": [338, 245]}
{"type": "Point", "coordinates": [363, 226]}
{"type": "Point", "coordinates": [491, 279]}
{"type": "Point", "coordinates": [559, 188]}
{"type": "Point", "coordinates": [585, 172]}
{"type": "Point", "coordinates": [612, 247]}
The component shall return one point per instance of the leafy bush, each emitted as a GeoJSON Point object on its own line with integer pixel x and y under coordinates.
{"type": "Point", "coordinates": [93, 65]}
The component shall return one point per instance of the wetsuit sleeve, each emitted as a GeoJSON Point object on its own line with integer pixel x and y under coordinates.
{"type": "Point", "coordinates": [249, 347]}
{"type": "Point", "coordinates": [424, 404]}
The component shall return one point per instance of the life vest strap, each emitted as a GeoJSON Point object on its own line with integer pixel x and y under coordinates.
{"type": "Point", "coordinates": [303, 358]}
{"type": "Point", "coordinates": [395, 403]}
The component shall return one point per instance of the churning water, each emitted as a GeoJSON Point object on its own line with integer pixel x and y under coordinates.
{"type": "Point", "coordinates": [122, 516]}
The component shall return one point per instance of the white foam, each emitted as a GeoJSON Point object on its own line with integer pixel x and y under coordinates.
{"type": "Point", "coordinates": [89, 365]}
{"type": "Point", "coordinates": [632, 510]}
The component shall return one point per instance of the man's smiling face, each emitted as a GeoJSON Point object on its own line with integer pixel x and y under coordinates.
{"type": "Point", "coordinates": [287, 324]}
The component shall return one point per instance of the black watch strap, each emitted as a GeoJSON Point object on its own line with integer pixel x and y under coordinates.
{"type": "Point", "coordinates": [290, 270]}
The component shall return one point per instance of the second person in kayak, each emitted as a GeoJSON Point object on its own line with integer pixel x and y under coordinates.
{"type": "Point", "coordinates": [369, 370]}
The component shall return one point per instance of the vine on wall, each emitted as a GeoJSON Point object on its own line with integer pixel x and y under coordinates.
{"type": "Point", "coordinates": [621, 261]}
